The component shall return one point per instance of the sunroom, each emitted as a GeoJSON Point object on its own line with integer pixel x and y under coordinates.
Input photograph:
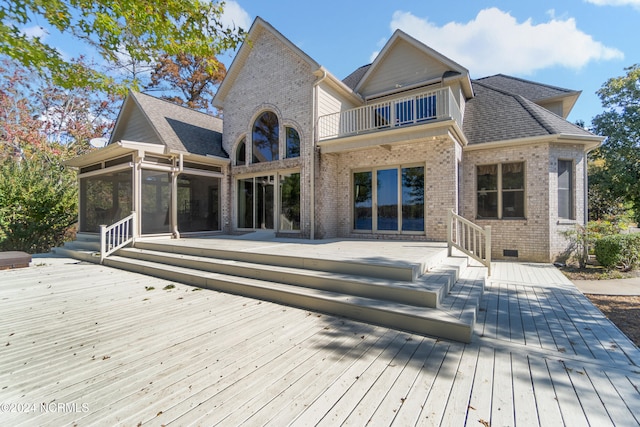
{"type": "Point", "coordinates": [164, 163]}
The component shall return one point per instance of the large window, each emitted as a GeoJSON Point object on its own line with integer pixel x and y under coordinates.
{"type": "Point", "coordinates": [198, 203]}
{"type": "Point", "coordinates": [266, 138]}
{"type": "Point", "coordinates": [293, 143]}
{"type": "Point", "coordinates": [241, 152]}
{"type": "Point", "coordinates": [397, 195]}
{"type": "Point", "coordinates": [261, 202]}
{"type": "Point", "coordinates": [256, 202]}
{"type": "Point", "coordinates": [105, 199]}
{"type": "Point", "coordinates": [156, 197]}
{"type": "Point", "coordinates": [500, 190]}
{"type": "Point", "coordinates": [565, 189]}
{"type": "Point", "coordinates": [290, 202]}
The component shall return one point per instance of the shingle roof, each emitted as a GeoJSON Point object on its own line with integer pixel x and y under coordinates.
{"type": "Point", "coordinates": [528, 89]}
{"type": "Point", "coordinates": [498, 115]}
{"type": "Point", "coordinates": [354, 78]}
{"type": "Point", "coordinates": [181, 128]}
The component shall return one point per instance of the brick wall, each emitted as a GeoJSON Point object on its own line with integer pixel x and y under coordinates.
{"type": "Point", "coordinates": [538, 237]}
{"type": "Point", "coordinates": [273, 78]}
{"type": "Point", "coordinates": [334, 204]}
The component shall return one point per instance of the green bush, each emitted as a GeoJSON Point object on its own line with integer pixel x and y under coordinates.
{"type": "Point", "coordinates": [619, 250]}
{"type": "Point", "coordinates": [38, 205]}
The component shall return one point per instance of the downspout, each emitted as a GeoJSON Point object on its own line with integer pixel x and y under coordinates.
{"type": "Point", "coordinates": [174, 197]}
{"type": "Point", "coordinates": [314, 112]}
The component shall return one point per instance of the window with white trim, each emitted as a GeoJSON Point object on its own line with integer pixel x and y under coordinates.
{"type": "Point", "coordinates": [565, 189]}
{"type": "Point", "coordinates": [500, 190]}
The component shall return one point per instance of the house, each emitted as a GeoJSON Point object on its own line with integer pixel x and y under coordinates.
{"type": "Point", "coordinates": [386, 153]}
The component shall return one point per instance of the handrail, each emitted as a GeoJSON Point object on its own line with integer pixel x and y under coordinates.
{"type": "Point", "coordinates": [469, 238]}
{"type": "Point", "coordinates": [116, 236]}
{"type": "Point", "coordinates": [389, 114]}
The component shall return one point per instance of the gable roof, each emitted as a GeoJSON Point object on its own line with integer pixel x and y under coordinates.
{"type": "Point", "coordinates": [447, 68]}
{"type": "Point", "coordinates": [177, 128]}
{"type": "Point", "coordinates": [537, 92]}
{"type": "Point", "coordinates": [257, 27]}
{"type": "Point", "coordinates": [498, 115]}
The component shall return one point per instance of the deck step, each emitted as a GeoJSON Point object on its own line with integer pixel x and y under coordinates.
{"type": "Point", "coordinates": [392, 271]}
{"type": "Point", "coordinates": [422, 320]}
{"type": "Point", "coordinates": [425, 292]}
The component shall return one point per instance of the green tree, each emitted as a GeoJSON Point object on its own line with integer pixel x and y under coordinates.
{"type": "Point", "coordinates": [141, 29]}
{"type": "Point", "coordinates": [618, 171]}
{"type": "Point", "coordinates": [40, 127]}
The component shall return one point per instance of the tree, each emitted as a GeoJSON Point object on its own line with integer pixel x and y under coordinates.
{"type": "Point", "coordinates": [195, 77]}
{"type": "Point", "coordinates": [142, 29]}
{"type": "Point", "coordinates": [40, 127]}
{"type": "Point", "coordinates": [619, 155]}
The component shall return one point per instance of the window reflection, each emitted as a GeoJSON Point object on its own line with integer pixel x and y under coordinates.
{"type": "Point", "coordinates": [265, 138]}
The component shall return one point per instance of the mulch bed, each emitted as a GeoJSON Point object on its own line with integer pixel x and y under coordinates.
{"type": "Point", "coordinates": [623, 311]}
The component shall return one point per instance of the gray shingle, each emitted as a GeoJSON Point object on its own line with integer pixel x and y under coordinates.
{"type": "Point", "coordinates": [181, 128]}
{"type": "Point", "coordinates": [497, 115]}
{"type": "Point", "coordinates": [528, 89]}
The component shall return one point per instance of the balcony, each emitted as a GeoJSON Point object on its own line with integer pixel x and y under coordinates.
{"type": "Point", "coordinates": [416, 109]}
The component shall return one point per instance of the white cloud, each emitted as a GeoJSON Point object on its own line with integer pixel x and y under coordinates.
{"type": "Point", "coordinates": [634, 3]}
{"type": "Point", "coordinates": [233, 15]}
{"type": "Point", "coordinates": [35, 31]}
{"type": "Point", "coordinates": [494, 42]}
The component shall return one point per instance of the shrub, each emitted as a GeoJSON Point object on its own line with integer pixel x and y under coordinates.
{"type": "Point", "coordinates": [38, 205]}
{"type": "Point", "coordinates": [619, 250]}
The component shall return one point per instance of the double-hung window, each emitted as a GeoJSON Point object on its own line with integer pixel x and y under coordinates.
{"type": "Point", "coordinates": [500, 190]}
{"type": "Point", "coordinates": [565, 189]}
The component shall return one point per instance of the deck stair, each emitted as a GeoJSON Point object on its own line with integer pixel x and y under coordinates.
{"type": "Point", "coordinates": [441, 301]}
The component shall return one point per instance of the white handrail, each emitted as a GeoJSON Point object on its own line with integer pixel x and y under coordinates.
{"type": "Point", "coordinates": [116, 236]}
{"type": "Point", "coordinates": [469, 238]}
{"type": "Point", "coordinates": [420, 108]}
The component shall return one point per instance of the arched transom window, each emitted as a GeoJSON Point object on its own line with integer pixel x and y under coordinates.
{"type": "Point", "coordinates": [265, 137]}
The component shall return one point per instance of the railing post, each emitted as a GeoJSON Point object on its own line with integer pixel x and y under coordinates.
{"type": "Point", "coordinates": [103, 243]}
{"type": "Point", "coordinates": [134, 228]}
{"type": "Point", "coordinates": [487, 241]}
{"type": "Point", "coordinates": [449, 233]}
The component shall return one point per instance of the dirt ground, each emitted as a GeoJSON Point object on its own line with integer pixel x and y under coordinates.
{"type": "Point", "coordinates": [624, 311]}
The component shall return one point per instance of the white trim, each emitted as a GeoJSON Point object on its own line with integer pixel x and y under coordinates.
{"type": "Point", "coordinates": [590, 142]}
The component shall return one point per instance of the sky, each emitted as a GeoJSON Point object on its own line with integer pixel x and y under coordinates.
{"type": "Point", "coordinates": [573, 44]}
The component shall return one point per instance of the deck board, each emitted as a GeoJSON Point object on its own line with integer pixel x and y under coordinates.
{"type": "Point", "coordinates": [86, 334]}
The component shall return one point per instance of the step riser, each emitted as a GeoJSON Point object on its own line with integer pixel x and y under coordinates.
{"type": "Point", "coordinates": [83, 245]}
{"type": "Point", "coordinates": [420, 325]}
{"type": "Point", "coordinates": [76, 254]}
{"type": "Point", "coordinates": [334, 284]}
{"type": "Point", "coordinates": [389, 272]}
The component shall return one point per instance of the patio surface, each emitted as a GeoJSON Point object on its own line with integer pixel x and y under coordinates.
{"type": "Point", "coordinates": [83, 344]}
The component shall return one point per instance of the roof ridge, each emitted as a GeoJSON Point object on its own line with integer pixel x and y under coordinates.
{"type": "Point", "coordinates": [173, 104]}
{"type": "Point", "coordinates": [520, 79]}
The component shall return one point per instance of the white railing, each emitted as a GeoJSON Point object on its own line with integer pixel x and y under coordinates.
{"type": "Point", "coordinates": [421, 108]}
{"type": "Point", "coordinates": [116, 236]}
{"type": "Point", "coordinates": [469, 238]}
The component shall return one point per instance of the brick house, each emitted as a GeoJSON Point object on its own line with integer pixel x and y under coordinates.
{"type": "Point", "coordinates": [385, 153]}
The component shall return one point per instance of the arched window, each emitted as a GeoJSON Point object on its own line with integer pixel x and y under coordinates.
{"type": "Point", "coordinates": [293, 143]}
{"type": "Point", "coordinates": [265, 137]}
{"type": "Point", "coordinates": [241, 152]}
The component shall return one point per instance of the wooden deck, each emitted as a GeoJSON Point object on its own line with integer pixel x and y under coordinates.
{"type": "Point", "coordinates": [84, 344]}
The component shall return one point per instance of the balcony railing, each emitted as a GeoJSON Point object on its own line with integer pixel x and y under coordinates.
{"type": "Point", "coordinates": [416, 109]}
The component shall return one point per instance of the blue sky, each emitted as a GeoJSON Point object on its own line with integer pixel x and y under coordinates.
{"type": "Point", "coordinates": [575, 44]}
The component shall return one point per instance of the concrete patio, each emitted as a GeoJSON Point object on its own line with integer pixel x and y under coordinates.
{"type": "Point", "coordinates": [84, 344]}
